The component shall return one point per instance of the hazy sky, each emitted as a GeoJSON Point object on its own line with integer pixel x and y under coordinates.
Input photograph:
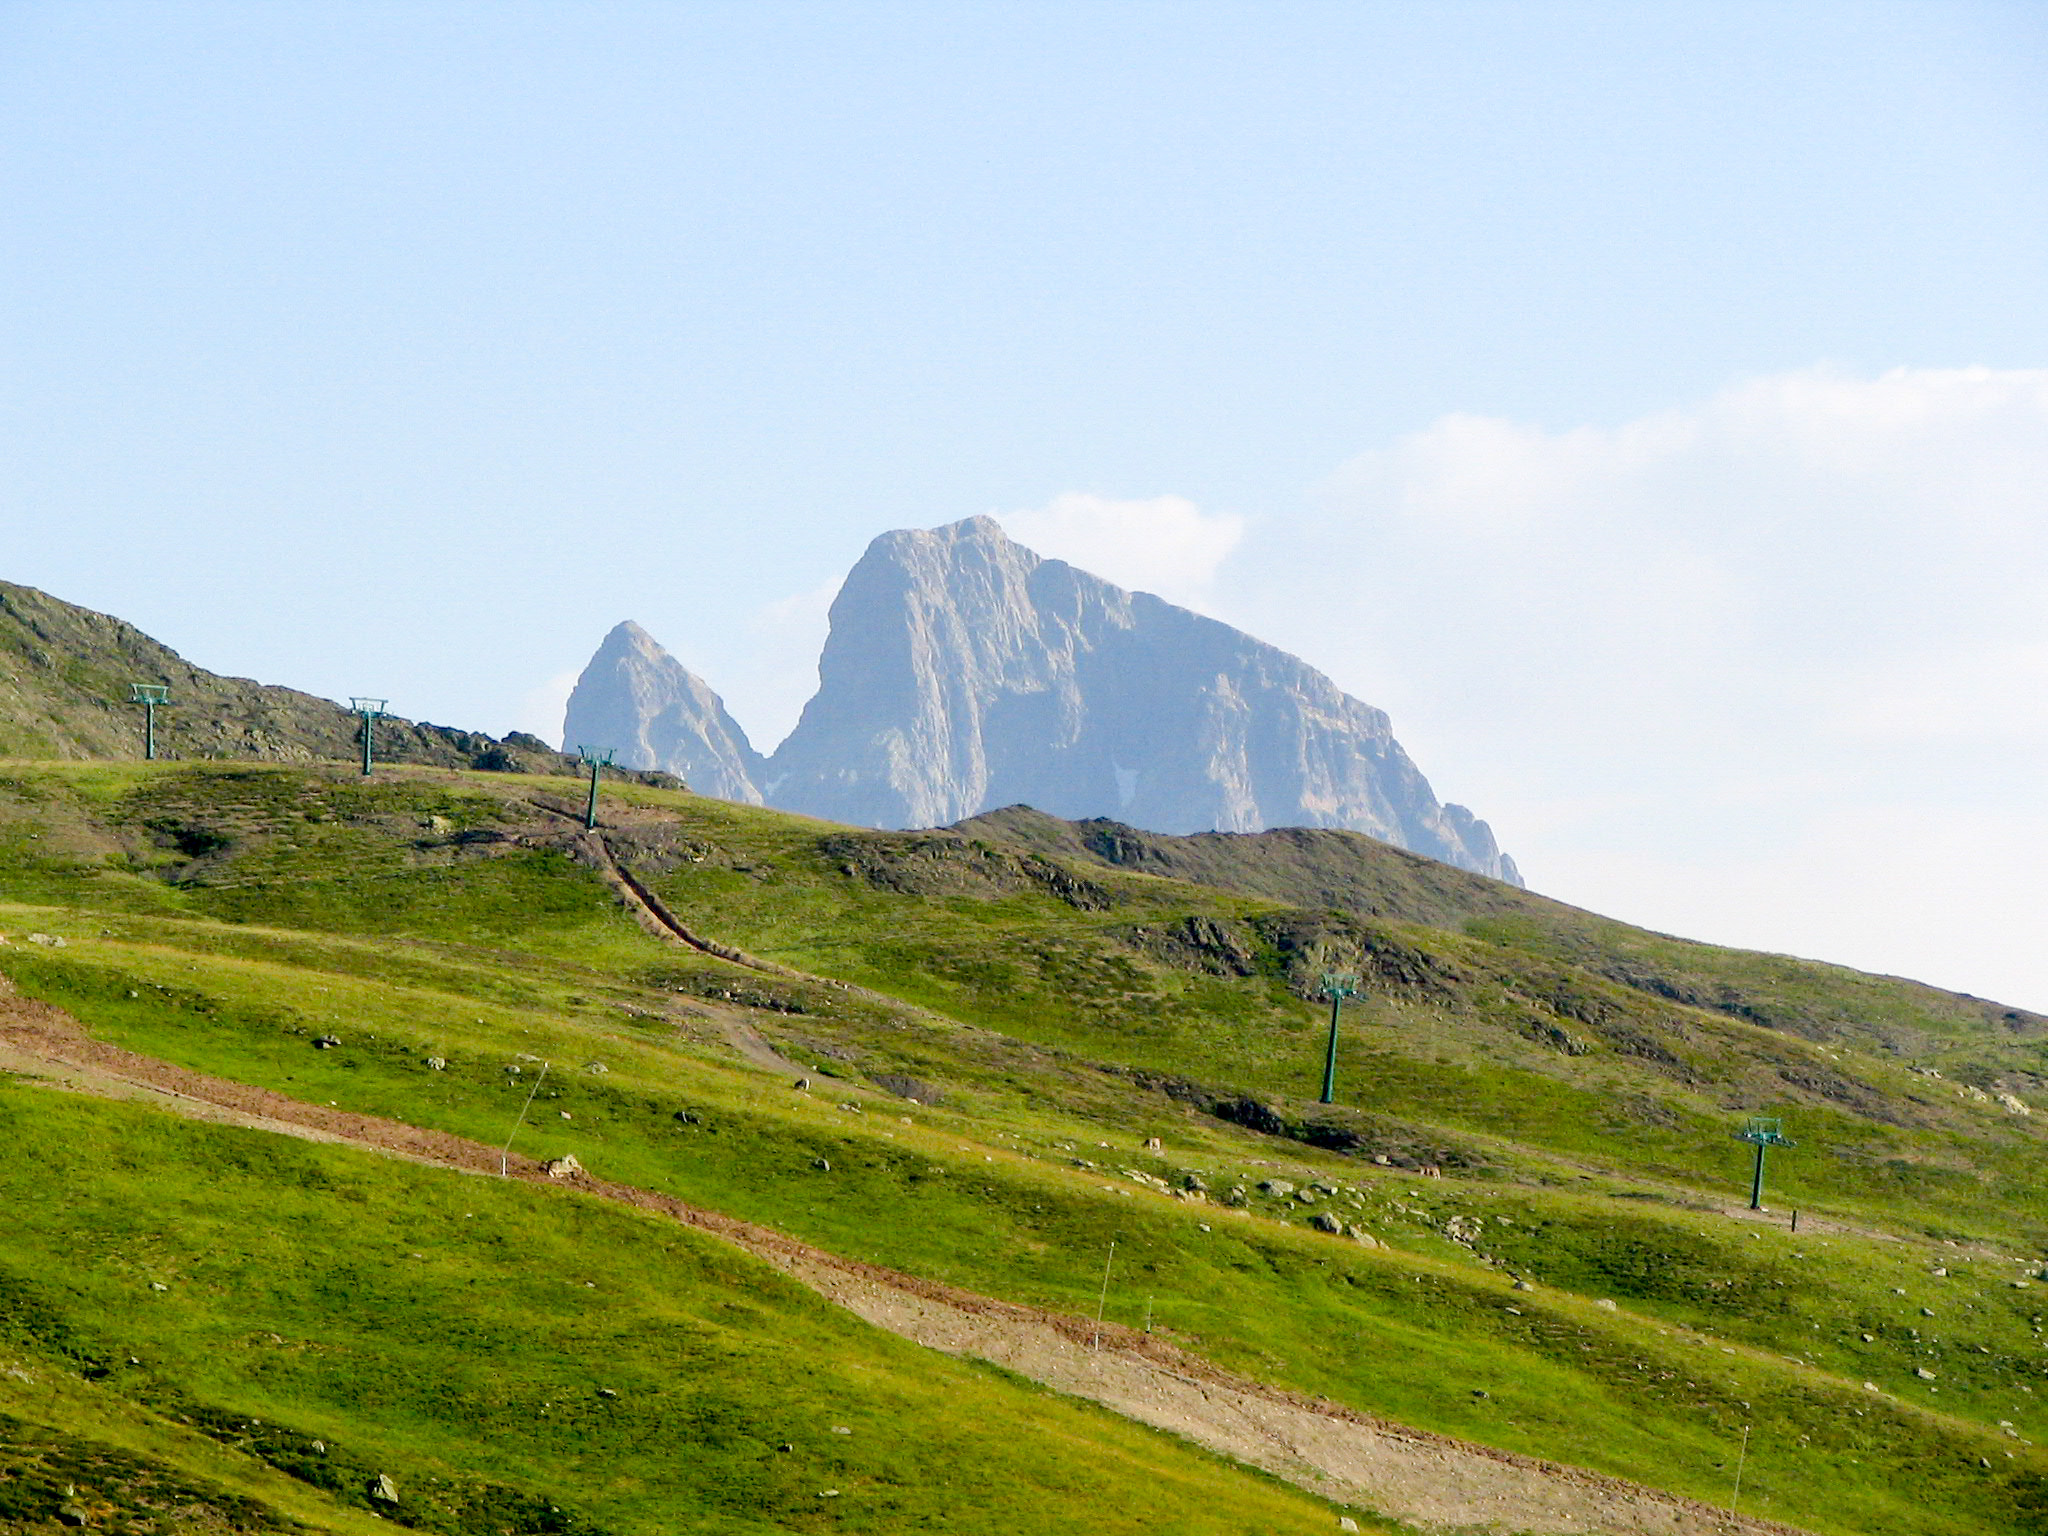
{"type": "Point", "coordinates": [1647, 404]}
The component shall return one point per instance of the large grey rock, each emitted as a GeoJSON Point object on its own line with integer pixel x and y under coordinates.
{"type": "Point", "coordinates": [656, 713]}
{"type": "Point", "coordinates": [964, 672]}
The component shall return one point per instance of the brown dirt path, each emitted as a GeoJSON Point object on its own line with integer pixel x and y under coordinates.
{"type": "Point", "coordinates": [1428, 1480]}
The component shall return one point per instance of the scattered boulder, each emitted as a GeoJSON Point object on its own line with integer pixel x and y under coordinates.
{"type": "Point", "coordinates": [1193, 1182]}
{"type": "Point", "coordinates": [1323, 1221]}
{"type": "Point", "coordinates": [561, 1167]}
{"type": "Point", "coordinates": [596, 1068]}
{"type": "Point", "coordinates": [383, 1489]}
{"type": "Point", "coordinates": [1923, 1373]}
{"type": "Point", "coordinates": [1346, 1523]}
{"type": "Point", "coordinates": [47, 940]}
{"type": "Point", "coordinates": [329, 1042]}
{"type": "Point", "coordinates": [72, 1514]}
{"type": "Point", "coordinates": [1238, 1196]}
{"type": "Point", "coordinates": [1360, 1236]}
{"type": "Point", "coordinates": [1279, 1188]}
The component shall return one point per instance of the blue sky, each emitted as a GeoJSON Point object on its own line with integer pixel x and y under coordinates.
{"type": "Point", "coordinates": [407, 348]}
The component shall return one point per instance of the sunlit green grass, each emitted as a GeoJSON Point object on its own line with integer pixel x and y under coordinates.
{"type": "Point", "coordinates": [512, 1354]}
{"type": "Point", "coordinates": [336, 906]}
{"type": "Point", "coordinates": [986, 1200]}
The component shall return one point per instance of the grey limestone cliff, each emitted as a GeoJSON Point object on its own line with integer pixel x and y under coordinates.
{"type": "Point", "coordinates": [656, 713]}
{"type": "Point", "coordinates": [964, 672]}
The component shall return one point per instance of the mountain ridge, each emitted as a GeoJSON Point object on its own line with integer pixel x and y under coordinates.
{"type": "Point", "coordinates": [963, 671]}
{"type": "Point", "coordinates": [65, 672]}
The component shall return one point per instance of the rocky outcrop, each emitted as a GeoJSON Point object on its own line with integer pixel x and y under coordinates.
{"type": "Point", "coordinates": [658, 714]}
{"type": "Point", "coordinates": [964, 672]}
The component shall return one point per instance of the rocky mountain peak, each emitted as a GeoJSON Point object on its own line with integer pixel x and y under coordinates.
{"type": "Point", "coordinates": [963, 671]}
{"type": "Point", "coordinates": [652, 710]}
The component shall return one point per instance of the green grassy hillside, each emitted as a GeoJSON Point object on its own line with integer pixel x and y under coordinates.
{"type": "Point", "coordinates": [512, 1360]}
{"type": "Point", "coordinates": [1050, 1012]}
{"type": "Point", "coordinates": [65, 674]}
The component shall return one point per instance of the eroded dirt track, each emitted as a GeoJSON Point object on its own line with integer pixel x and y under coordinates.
{"type": "Point", "coordinates": [1428, 1480]}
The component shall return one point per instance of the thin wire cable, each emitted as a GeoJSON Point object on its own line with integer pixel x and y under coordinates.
{"type": "Point", "coordinates": [1103, 1301]}
{"type": "Point", "coordinates": [1736, 1497]}
{"type": "Point", "coordinates": [505, 1152]}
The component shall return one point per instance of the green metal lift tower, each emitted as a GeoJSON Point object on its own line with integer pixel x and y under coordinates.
{"type": "Point", "coordinates": [148, 695]}
{"type": "Point", "coordinates": [593, 758]}
{"type": "Point", "coordinates": [369, 709]}
{"type": "Point", "coordinates": [1337, 985]}
{"type": "Point", "coordinates": [1762, 1131]}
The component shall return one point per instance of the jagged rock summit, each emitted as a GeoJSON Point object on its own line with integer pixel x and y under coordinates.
{"type": "Point", "coordinates": [964, 672]}
{"type": "Point", "coordinates": [641, 701]}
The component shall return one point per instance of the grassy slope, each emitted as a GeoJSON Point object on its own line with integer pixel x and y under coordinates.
{"type": "Point", "coordinates": [519, 1359]}
{"type": "Point", "coordinates": [1459, 1030]}
{"type": "Point", "coordinates": [983, 1191]}
{"type": "Point", "coordinates": [65, 674]}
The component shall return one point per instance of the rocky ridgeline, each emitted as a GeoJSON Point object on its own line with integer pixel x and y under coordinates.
{"type": "Point", "coordinates": [964, 672]}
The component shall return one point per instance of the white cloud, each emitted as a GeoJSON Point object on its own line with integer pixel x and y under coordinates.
{"type": "Point", "coordinates": [1165, 544]}
{"type": "Point", "coordinates": [1772, 669]}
